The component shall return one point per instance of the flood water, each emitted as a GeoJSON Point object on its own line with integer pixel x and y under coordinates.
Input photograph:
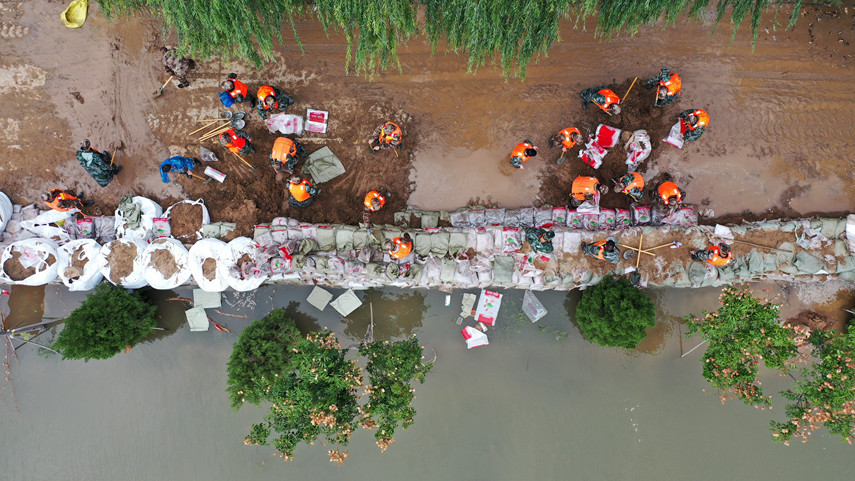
{"type": "Point", "coordinates": [534, 404]}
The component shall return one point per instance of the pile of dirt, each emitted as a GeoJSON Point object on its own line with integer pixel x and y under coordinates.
{"type": "Point", "coordinates": [16, 271]}
{"type": "Point", "coordinates": [209, 268]}
{"type": "Point", "coordinates": [164, 262]}
{"type": "Point", "coordinates": [120, 260]}
{"type": "Point", "coordinates": [185, 220]}
{"type": "Point", "coordinates": [812, 320]}
{"type": "Point", "coordinates": [243, 260]}
{"type": "Point", "coordinates": [78, 263]}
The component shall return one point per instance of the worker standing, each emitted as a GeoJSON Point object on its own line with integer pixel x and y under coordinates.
{"type": "Point", "coordinates": [235, 92]}
{"type": "Point", "coordinates": [631, 184]}
{"type": "Point", "coordinates": [400, 247]}
{"type": "Point", "coordinates": [584, 189]}
{"type": "Point", "coordinates": [386, 136]}
{"type": "Point", "coordinates": [604, 250]}
{"type": "Point", "coordinates": [177, 66]}
{"type": "Point", "coordinates": [271, 98]}
{"type": "Point", "coordinates": [302, 192]}
{"type": "Point", "coordinates": [177, 165]}
{"type": "Point", "coordinates": [97, 164]}
{"type": "Point", "coordinates": [522, 152]}
{"type": "Point", "coordinates": [718, 256]}
{"type": "Point", "coordinates": [236, 141]}
{"type": "Point", "coordinates": [603, 98]}
{"type": "Point", "coordinates": [63, 201]}
{"type": "Point", "coordinates": [285, 155]}
{"type": "Point", "coordinates": [375, 200]}
{"type": "Point", "coordinates": [567, 138]}
{"type": "Point", "coordinates": [669, 85]}
{"type": "Point", "coordinates": [693, 122]}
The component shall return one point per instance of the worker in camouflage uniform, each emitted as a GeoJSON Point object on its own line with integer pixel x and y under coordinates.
{"type": "Point", "coordinates": [97, 164]}
{"type": "Point", "coordinates": [540, 239]}
{"type": "Point", "coordinates": [603, 98]}
{"type": "Point", "coordinates": [693, 122]}
{"type": "Point", "coordinates": [669, 84]}
{"type": "Point", "coordinates": [604, 250]}
{"type": "Point", "coordinates": [177, 66]}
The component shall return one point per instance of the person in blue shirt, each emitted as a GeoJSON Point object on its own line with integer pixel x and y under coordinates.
{"type": "Point", "coordinates": [177, 165]}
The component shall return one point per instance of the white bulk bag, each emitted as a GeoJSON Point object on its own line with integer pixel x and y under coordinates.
{"type": "Point", "coordinates": [153, 276]}
{"type": "Point", "coordinates": [5, 211]}
{"type": "Point", "coordinates": [41, 225]}
{"type": "Point", "coordinates": [135, 279]}
{"type": "Point", "coordinates": [206, 219]}
{"type": "Point", "coordinates": [236, 249]}
{"type": "Point", "coordinates": [201, 250]}
{"type": "Point", "coordinates": [150, 209]}
{"type": "Point", "coordinates": [38, 250]}
{"type": "Point", "coordinates": [91, 275]}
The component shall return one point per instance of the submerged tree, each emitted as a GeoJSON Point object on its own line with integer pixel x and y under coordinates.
{"type": "Point", "coordinates": [615, 313]}
{"type": "Point", "coordinates": [109, 320]}
{"type": "Point", "coordinates": [743, 333]}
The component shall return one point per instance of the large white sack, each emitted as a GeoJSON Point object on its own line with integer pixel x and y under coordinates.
{"type": "Point", "coordinates": [135, 279]}
{"type": "Point", "coordinates": [38, 251]}
{"type": "Point", "coordinates": [41, 225]}
{"type": "Point", "coordinates": [91, 275]}
{"type": "Point", "coordinates": [153, 276]}
{"type": "Point", "coordinates": [206, 219]}
{"type": "Point", "coordinates": [5, 211]}
{"type": "Point", "coordinates": [204, 249]}
{"type": "Point", "coordinates": [150, 209]}
{"type": "Point", "coordinates": [236, 249]}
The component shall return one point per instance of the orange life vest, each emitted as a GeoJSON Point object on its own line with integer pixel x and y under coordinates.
{"type": "Point", "coordinates": [240, 88]}
{"type": "Point", "coordinates": [371, 196]}
{"type": "Point", "coordinates": [637, 181]}
{"type": "Point", "coordinates": [672, 85]}
{"type": "Point", "coordinates": [60, 197]}
{"type": "Point", "coordinates": [703, 120]}
{"type": "Point", "coordinates": [519, 151]}
{"type": "Point", "coordinates": [394, 137]}
{"type": "Point", "coordinates": [400, 249]}
{"type": "Point", "coordinates": [266, 91]}
{"type": "Point", "coordinates": [668, 190]}
{"type": "Point", "coordinates": [583, 185]}
{"type": "Point", "coordinates": [601, 244]}
{"type": "Point", "coordinates": [299, 190]}
{"type": "Point", "coordinates": [566, 141]}
{"type": "Point", "coordinates": [231, 141]}
{"type": "Point", "coordinates": [611, 98]}
{"type": "Point", "coordinates": [717, 259]}
{"type": "Point", "coordinates": [282, 148]}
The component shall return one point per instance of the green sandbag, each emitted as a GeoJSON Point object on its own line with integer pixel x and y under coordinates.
{"type": "Point", "coordinates": [503, 269]}
{"type": "Point", "coordinates": [392, 271]}
{"type": "Point", "coordinates": [457, 243]}
{"type": "Point", "coordinates": [807, 263]}
{"type": "Point", "coordinates": [422, 243]}
{"type": "Point", "coordinates": [756, 263]}
{"type": "Point", "coordinates": [374, 270]}
{"type": "Point", "coordinates": [325, 239]}
{"type": "Point", "coordinates": [414, 273]}
{"type": "Point", "coordinates": [344, 237]}
{"type": "Point", "coordinates": [697, 271]}
{"type": "Point", "coordinates": [449, 267]}
{"type": "Point", "coordinates": [360, 239]}
{"type": "Point", "coordinates": [430, 220]}
{"type": "Point", "coordinates": [439, 243]}
{"type": "Point", "coordinates": [307, 246]}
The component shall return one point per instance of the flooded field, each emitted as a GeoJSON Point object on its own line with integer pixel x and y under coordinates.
{"type": "Point", "coordinates": [539, 402]}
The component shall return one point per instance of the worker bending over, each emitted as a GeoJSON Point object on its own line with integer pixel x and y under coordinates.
{"type": "Point", "coordinates": [375, 200]}
{"type": "Point", "coordinates": [97, 164]}
{"type": "Point", "coordinates": [302, 192]}
{"type": "Point", "coordinates": [522, 152]}
{"type": "Point", "coordinates": [400, 247]}
{"type": "Point", "coordinates": [669, 86]}
{"type": "Point", "coordinates": [236, 141]}
{"type": "Point", "coordinates": [177, 66]}
{"type": "Point", "coordinates": [604, 250]}
{"type": "Point", "coordinates": [539, 239]}
{"type": "Point", "coordinates": [718, 256]}
{"type": "Point", "coordinates": [603, 98]}
{"type": "Point", "coordinates": [386, 136]}
{"type": "Point", "coordinates": [632, 184]}
{"type": "Point", "coordinates": [567, 138]}
{"type": "Point", "coordinates": [669, 194]}
{"type": "Point", "coordinates": [584, 188]}
{"type": "Point", "coordinates": [62, 201]}
{"type": "Point", "coordinates": [285, 154]}
{"type": "Point", "coordinates": [235, 90]}
{"type": "Point", "coordinates": [177, 165]}
{"type": "Point", "coordinates": [692, 124]}
{"type": "Point", "coordinates": [269, 99]}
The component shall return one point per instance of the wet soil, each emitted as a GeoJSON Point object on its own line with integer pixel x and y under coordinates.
{"type": "Point", "coordinates": [18, 272]}
{"type": "Point", "coordinates": [243, 260]}
{"type": "Point", "coordinates": [185, 220]}
{"type": "Point", "coordinates": [815, 321]}
{"type": "Point", "coordinates": [164, 262]}
{"type": "Point", "coordinates": [209, 268]}
{"type": "Point", "coordinates": [121, 260]}
{"type": "Point", "coordinates": [78, 263]}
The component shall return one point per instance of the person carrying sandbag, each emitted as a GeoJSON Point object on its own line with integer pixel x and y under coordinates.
{"type": "Point", "coordinates": [97, 164]}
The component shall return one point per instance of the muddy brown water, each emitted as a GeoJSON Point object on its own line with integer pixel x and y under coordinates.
{"type": "Point", "coordinates": [539, 402]}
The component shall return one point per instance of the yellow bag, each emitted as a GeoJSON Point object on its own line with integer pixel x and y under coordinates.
{"type": "Point", "coordinates": [75, 14]}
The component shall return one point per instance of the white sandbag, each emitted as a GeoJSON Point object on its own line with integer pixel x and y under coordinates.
{"type": "Point", "coordinates": [850, 233]}
{"type": "Point", "coordinates": [675, 136]}
{"type": "Point", "coordinates": [157, 279]}
{"type": "Point", "coordinates": [285, 124]}
{"type": "Point", "coordinates": [236, 279]}
{"type": "Point", "coordinates": [150, 209]}
{"type": "Point", "coordinates": [5, 211]}
{"type": "Point", "coordinates": [637, 149]}
{"type": "Point", "coordinates": [69, 275]}
{"type": "Point", "coordinates": [41, 225]}
{"type": "Point", "coordinates": [135, 278]}
{"type": "Point", "coordinates": [34, 253]}
{"type": "Point", "coordinates": [199, 252]}
{"type": "Point", "coordinates": [206, 219]}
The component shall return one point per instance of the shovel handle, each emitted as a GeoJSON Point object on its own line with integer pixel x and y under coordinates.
{"type": "Point", "coordinates": [167, 82]}
{"type": "Point", "coordinates": [112, 157]}
{"type": "Point", "coordinates": [630, 88]}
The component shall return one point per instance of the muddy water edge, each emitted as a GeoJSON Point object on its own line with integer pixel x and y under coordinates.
{"type": "Point", "coordinates": [539, 402]}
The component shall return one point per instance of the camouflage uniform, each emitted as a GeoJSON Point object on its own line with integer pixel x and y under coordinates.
{"type": "Point", "coordinates": [592, 95]}
{"type": "Point", "coordinates": [690, 135]}
{"type": "Point", "coordinates": [178, 66]}
{"type": "Point", "coordinates": [540, 239]}
{"type": "Point", "coordinates": [593, 251]}
{"type": "Point", "coordinates": [635, 192]}
{"type": "Point", "coordinates": [664, 76]}
{"type": "Point", "coordinates": [98, 165]}
{"type": "Point", "coordinates": [283, 100]}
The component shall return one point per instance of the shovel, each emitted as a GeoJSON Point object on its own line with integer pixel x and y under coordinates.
{"type": "Point", "coordinates": [117, 145]}
{"type": "Point", "coordinates": [560, 160]}
{"type": "Point", "coordinates": [202, 178]}
{"type": "Point", "coordinates": [157, 93]}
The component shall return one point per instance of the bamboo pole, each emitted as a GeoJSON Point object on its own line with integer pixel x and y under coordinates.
{"type": "Point", "coordinates": [112, 157]}
{"type": "Point", "coordinates": [214, 133]}
{"type": "Point", "coordinates": [659, 247]}
{"type": "Point", "coordinates": [218, 128]}
{"type": "Point", "coordinates": [761, 246]}
{"type": "Point", "coordinates": [243, 160]}
{"type": "Point", "coordinates": [630, 88]}
{"type": "Point", "coordinates": [640, 239]}
{"type": "Point", "coordinates": [643, 251]}
{"type": "Point", "coordinates": [209, 124]}
{"type": "Point", "coordinates": [198, 177]}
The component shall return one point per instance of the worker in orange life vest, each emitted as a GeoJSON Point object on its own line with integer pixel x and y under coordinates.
{"type": "Point", "coordinates": [669, 194]}
{"type": "Point", "coordinates": [669, 85]}
{"type": "Point", "coordinates": [584, 188]}
{"type": "Point", "coordinates": [375, 200]}
{"type": "Point", "coordinates": [693, 122]}
{"type": "Point", "coordinates": [568, 138]}
{"type": "Point", "coordinates": [62, 201]}
{"type": "Point", "coordinates": [400, 247]}
{"type": "Point", "coordinates": [271, 98]}
{"type": "Point", "coordinates": [236, 141]}
{"type": "Point", "coordinates": [603, 98]}
{"type": "Point", "coordinates": [522, 152]}
{"type": "Point", "coordinates": [386, 136]}
{"type": "Point", "coordinates": [237, 90]}
{"type": "Point", "coordinates": [631, 184]}
{"type": "Point", "coordinates": [285, 154]}
{"type": "Point", "coordinates": [604, 250]}
{"type": "Point", "coordinates": [302, 192]}
{"type": "Point", "coordinates": [718, 256]}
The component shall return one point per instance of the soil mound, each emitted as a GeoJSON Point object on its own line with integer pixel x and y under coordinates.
{"type": "Point", "coordinates": [121, 260]}
{"type": "Point", "coordinates": [209, 268]}
{"type": "Point", "coordinates": [78, 263]}
{"type": "Point", "coordinates": [164, 262]}
{"type": "Point", "coordinates": [812, 320]}
{"type": "Point", "coordinates": [184, 221]}
{"type": "Point", "coordinates": [18, 272]}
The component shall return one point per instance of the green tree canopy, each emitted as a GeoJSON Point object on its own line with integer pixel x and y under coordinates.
{"type": "Point", "coordinates": [615, 313]}
{"type": "Point", "coordinates": [743, 333]}
{"type": "Point", "coordinates": [261, 354]}
{"type": "Point", "coordinates": [110, 319]}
